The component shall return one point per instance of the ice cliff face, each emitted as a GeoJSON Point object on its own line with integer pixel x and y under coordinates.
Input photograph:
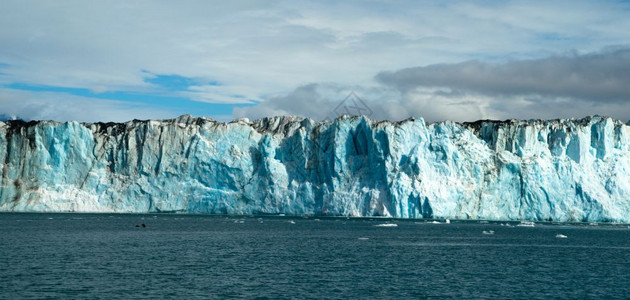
{"type": "Point", "coordinates": [562, 170]}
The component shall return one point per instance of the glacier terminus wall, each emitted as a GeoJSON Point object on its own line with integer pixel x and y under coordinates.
{"type": "Point", "coordinates": [560, 170]}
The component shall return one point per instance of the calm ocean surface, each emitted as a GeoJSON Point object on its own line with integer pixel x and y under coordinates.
{"type": "Point", "coordinates": [100, 256]}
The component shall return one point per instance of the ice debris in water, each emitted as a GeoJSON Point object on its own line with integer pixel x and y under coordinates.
{"type": "Point", "coordinates": [386, 225]}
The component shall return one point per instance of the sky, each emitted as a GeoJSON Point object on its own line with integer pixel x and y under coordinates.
{"type": "Point", "coordinates": [114, 60]}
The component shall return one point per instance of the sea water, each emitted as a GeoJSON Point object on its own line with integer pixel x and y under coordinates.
{"type": "Point", "coordinates": [101, 256]}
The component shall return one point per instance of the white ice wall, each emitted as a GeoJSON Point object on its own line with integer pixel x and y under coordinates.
{"type": "Point", "coordinates": [561, 170]}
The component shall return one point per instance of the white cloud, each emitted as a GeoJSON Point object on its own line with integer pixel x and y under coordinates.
{"type": "Point", "coordinates": [326, 101]}
{"type": "Point", "coordinates": [258, 50]}
{"type": "Point", "coordinates": [221, 94]}
{"type": "Point", "coordinates": [270, 48]}
{"type": "Point", "coordinates": [62, 107]}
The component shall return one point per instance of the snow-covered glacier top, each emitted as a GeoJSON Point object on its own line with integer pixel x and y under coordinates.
{"type": "Point", "coordinates": [563, 170]}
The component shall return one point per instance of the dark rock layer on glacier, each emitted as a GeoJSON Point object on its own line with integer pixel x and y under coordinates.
{"type": "Point", "coordinates": [563, 170]}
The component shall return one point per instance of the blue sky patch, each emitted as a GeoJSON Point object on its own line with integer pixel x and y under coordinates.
{"type": "Point", "coordinates": [178, 105]}
{"type": "Point", "coordinates": [175, 82]}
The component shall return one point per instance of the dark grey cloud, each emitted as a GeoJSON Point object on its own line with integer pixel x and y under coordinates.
{"type": "Point", "coordinates": [554, 87]}
{"type": "Point", "coordinates": [600, 77]}
{"type": "Point", "coordinates": [315, 100]}
{"type": "Point", "coordinates": [327, 101]}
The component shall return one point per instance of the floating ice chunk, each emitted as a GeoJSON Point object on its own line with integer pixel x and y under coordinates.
{"type": "Point", "coordinates": [526, 224]}
{"type": "Point", "coordinates": [386, 225]}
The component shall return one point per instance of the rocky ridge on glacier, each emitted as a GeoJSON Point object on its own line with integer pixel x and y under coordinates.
{"type": "Point", "coordinates": [561, 170]}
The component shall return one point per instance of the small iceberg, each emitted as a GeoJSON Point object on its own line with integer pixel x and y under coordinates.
{"type": "Point", "coordinates": [291, 222]}
{"type": "Point", "coordinates": [363, 239]}
{"type": "Point", "coordinates": [447, 221]}
{"type": "Point", "coordinates": [386, 225]}
{"type": "Point", "coordinates": [488, 232]}
{"type": "Point", "coordinates": [593, 224]}
{"type": "Point", "coordinates": [561, 236]}
{"type": "Point", "coordinates": [526, 224]}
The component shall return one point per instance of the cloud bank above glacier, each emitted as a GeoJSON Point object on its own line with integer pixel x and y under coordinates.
{"type": "Point", "coordinates": [156, 59]}
{"type": "Point", "coordinates": [560, 86]}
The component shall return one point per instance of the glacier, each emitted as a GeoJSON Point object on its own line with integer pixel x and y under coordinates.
{"type": "Point", "coordinates": [560, 170]}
